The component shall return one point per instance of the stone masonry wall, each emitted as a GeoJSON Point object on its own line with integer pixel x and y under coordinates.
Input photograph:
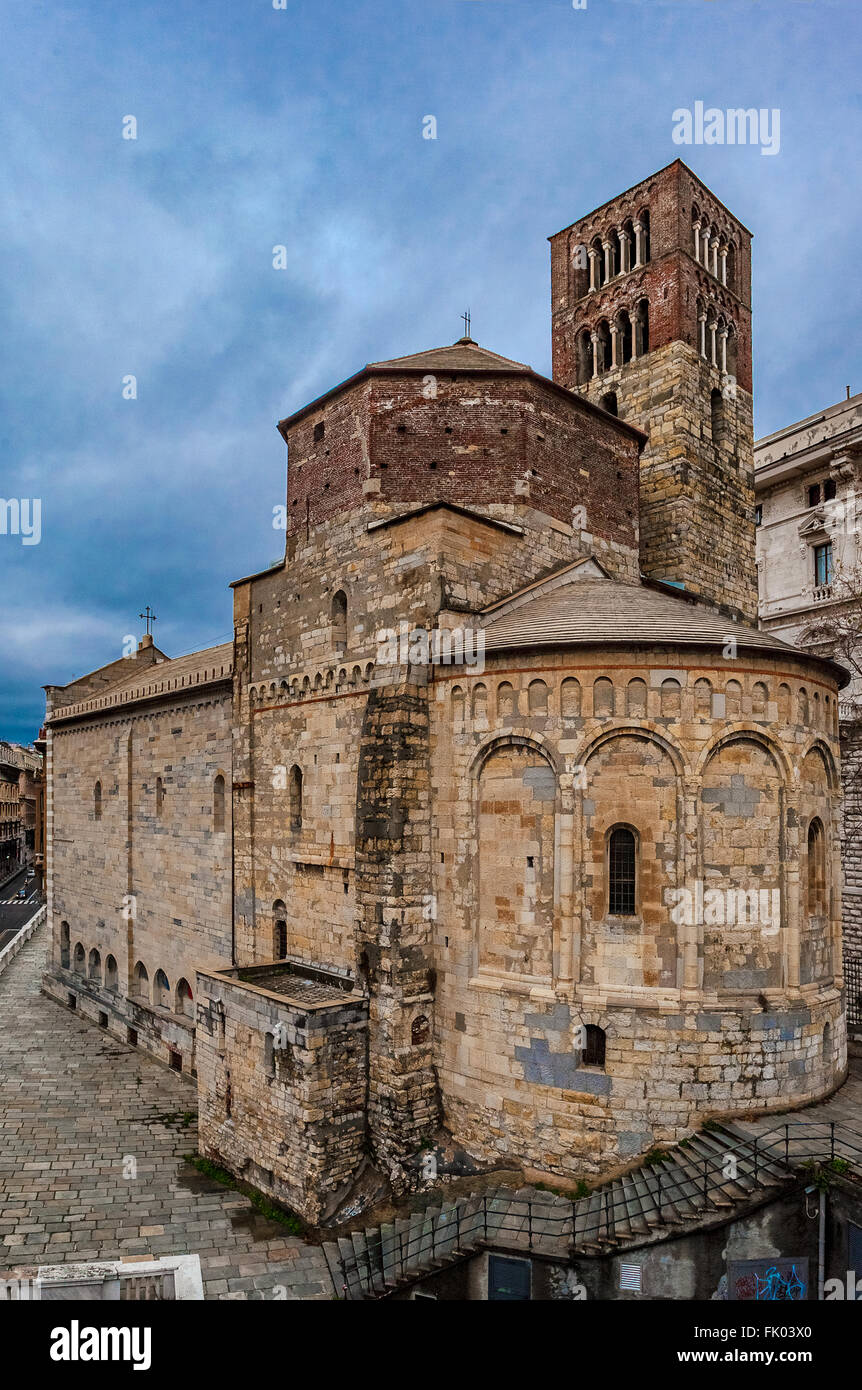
{"type": "Point", "coordinates": [284, 1110]}
{"type": "Point", "coordinates": [149, 881]}
{"type": "Point", "coordinates": [851, 775]}
{"type": "Point", "coordinates": [300, 693]}
{"type": "Point", "coordinates": [718, 770]}
{"type": "Point", "coordinates": [394, 911]}
{"type": "Point", "coordinates": [697, 493]}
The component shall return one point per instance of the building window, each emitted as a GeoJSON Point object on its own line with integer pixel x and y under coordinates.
{"type": "Point", "coordinates": [609, 402]}
{"type": "Point", "coordinates": [97, 801]}
{"type": "Point", "coordinates": [79, 959]}
{"type": "Point", "coordinates": [814, 494]}
{"type": "Point", "coordinates": [823, 563]}
{"type": "Point", "coordinates": [319, 432]}
{"type": "Point", "coordinates": [94, 966]}
{"type": "Point", "coordinates": [160, 795]}
{"type": "Point", "coordinates": [64, 945]}
{"type": "Point", "coordinates": [419, 1030]}
{"type": "Point", "coordinates": [338, 617]}
{"type": "Point", "coordinates": [218, 804]}
{"type": "Point", "coordinates": [111, 975]}
{"type": "Point", "coordinates": [279, 934]}
{"type": "Point", "coordinates": [640, 329]}
{"type": "Point", "coordinates": [295, 794]}
{"type": "Point", "coordinates": [584, 357]}
{"type": "Point", "coordinates": [508, 1280]}
{"type": "Point", "coordinates": [622, 872]}
{"type": "Point", "coordinates": [593, 1054]}
{"type": "Point", "coordinates": [829, 489]}
{"type": "Point", "coordinates": [758, 515]}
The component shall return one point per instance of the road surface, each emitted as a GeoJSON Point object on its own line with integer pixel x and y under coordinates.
{"type": "Point", "coordinates": [15, 911]}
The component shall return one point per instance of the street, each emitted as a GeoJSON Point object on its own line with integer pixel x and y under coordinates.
{"type": "Point", "coordinates": [15, 911]}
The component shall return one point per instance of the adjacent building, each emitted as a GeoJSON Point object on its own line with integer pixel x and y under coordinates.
{"type": "Point", "coordinates": [809, 557]}
{"type": "Point", "coordinates": [20, 803]}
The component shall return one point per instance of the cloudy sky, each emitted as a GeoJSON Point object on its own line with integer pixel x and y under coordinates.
{"type": "Point", "coordinates": [302, 127]}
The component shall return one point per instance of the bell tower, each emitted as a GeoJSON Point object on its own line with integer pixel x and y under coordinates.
{"type": "Point", "coordinates": [651, 319]}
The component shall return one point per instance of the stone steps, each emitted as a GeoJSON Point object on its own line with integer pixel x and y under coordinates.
{"type": "Point", "coordinates": [690, 1184]}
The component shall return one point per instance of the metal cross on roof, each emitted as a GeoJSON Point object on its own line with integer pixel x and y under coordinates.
{"type": "Point", "coordinates": [149, 615]}
{"type": "Point", "coordinates": [466, 318]}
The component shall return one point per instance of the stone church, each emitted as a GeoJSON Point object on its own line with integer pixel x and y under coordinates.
{"type": "Point", "coordinates": [552, 907]}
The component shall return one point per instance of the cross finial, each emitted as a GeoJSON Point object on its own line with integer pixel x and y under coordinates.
{"type": "Point", "coordinates": [149, 615]}
{"type": "Point", "coordinates": [466, 317]}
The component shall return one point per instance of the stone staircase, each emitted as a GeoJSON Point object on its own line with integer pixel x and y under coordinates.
{"type": "Point", "coordinates": [700, 1181]}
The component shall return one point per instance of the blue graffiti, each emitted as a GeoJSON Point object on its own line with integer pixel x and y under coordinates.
{"type": "Point", "coordinates": [775, 1287]}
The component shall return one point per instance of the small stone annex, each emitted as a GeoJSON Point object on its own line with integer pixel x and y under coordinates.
{"type": "Point", "coordinates": [553, 902]}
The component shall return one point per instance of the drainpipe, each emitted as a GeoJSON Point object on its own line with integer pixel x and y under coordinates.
{"type": "Point", "coordinates": [821, 1246]}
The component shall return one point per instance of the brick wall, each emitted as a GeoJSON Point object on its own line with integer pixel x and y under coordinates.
{"type": "Point", "coordinates": [480, 441]}
{"type": "Point", "coordinates": [696, 475]}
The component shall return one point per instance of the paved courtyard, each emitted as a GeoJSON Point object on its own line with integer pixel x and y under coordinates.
{"type": "Point", "coordinates": [75, 1105]}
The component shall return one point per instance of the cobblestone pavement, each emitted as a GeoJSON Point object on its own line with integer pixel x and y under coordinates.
{"type": "Point", "coordinates": [74, 1103]}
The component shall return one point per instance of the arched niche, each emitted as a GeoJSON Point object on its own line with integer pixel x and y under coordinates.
{"type": "Point", "coordinates": [516, 812]}
{"type": "Point", "coordinates": [817, 850]}
{"type": "Point", "coordinates": [740, 907]}
{"type": "Point", "coordinates": [635, 784]}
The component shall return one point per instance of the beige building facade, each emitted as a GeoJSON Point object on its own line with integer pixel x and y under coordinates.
{"type": "Point", "coordinates": [808, 482]}
{"type": "Point", "coordinates": [138, 864]}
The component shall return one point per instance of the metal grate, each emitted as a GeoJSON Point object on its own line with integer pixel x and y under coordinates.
{"type": "Point", "coordinates": [853, 984]}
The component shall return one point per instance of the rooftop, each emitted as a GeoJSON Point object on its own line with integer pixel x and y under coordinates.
{"type": "Point", "coordinates": [164, 677]}
{"type": "Point", "coordinates": [605, 612]}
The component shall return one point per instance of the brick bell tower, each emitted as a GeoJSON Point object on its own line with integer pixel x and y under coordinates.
{"type": "Point", "coordinates": [651, 319]}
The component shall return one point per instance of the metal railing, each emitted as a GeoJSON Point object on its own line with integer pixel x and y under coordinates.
{"type": "Point", "coordinates": [670, 1189]}
{"type": "Point", "coordinates": [853, 987]}
{"type": "Point", "coordinates": [23, 935]}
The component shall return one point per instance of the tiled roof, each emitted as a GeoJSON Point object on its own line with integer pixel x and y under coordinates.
{"type": "Point", "coordinates": [463, 356]}
{"type": "Point", "coordinates": [605, 612]}
{"type": "Point", "coordinates": [184, 672]}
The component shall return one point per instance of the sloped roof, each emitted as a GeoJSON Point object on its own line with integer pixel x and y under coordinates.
{"type": "Point", "coordinates": [105, 677]}
{"type": "Point", "coordinates": [213, 664]}
{"type": "Point", "coordinates": [606, 612]}
{"type": "Point", "coordinates": [463, 356]}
